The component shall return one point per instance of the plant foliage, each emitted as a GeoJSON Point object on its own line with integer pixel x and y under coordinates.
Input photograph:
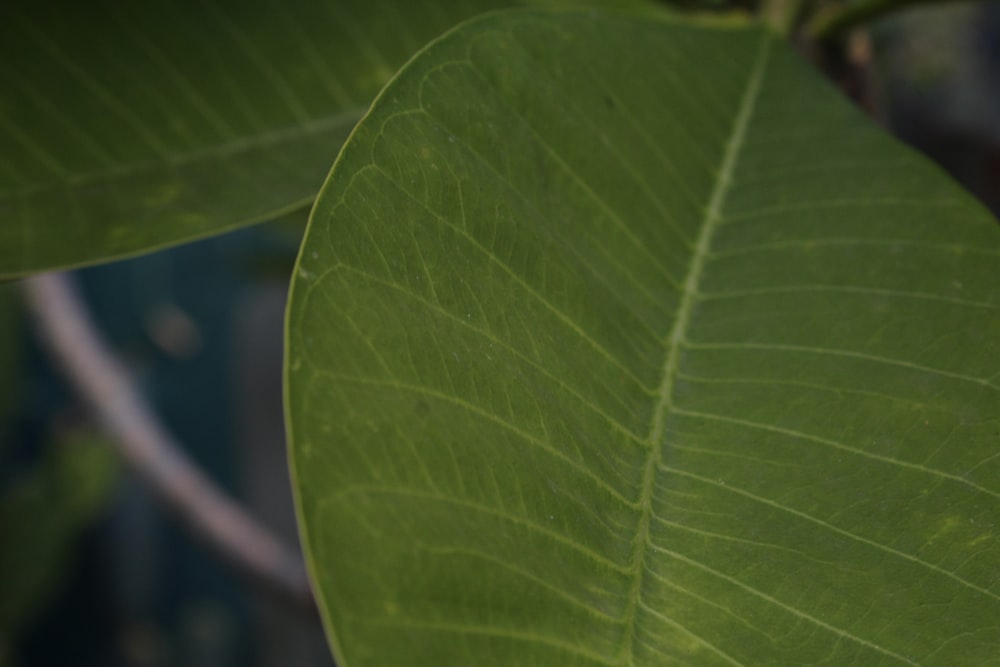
{"type": "Point", "coordinates": [126, 127]}
{"type": "Point", "coordinates": [627, 341]}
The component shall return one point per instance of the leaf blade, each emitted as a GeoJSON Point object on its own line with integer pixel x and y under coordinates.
{"type": "Point", "coordinates": [125, 129]}
{"type": "Point", "coordinates": [511, 298]}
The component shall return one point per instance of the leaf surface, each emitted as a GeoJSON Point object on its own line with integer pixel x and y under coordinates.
{"type": "Point", "coordinates": [125, 127]}
{"type": "Point", "coordinates": [619, 341]}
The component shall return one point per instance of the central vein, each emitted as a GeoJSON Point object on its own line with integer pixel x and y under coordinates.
{"type": "Point", "coordinates": [675, 339]}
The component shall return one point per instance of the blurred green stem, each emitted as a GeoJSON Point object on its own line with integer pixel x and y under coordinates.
{"type": "Point", "coordinates": [781, 15]}
{"type": "Point", "coordinates": [826, 25]}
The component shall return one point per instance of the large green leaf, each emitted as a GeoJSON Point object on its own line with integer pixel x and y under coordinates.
{"type": "Point", "coordinates": [618, 341]}
{"type": "Point", "coordinates": [128, 126]}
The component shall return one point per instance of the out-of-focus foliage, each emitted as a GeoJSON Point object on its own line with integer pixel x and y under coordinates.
{"type": "Point", "coordinates": [43, 512]}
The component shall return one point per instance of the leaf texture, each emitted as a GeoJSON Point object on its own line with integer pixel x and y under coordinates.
{"type": "Point", "coordinates": [620, 341]}
{"type": "Point", "coordinates": [125, 127]}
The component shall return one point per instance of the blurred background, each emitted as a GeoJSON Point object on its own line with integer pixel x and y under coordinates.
{"type": "Point", "coordinates": [94, 572]}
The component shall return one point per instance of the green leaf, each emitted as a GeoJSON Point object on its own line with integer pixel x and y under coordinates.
{"type": "Point", "coordinates": [127, 127]}
{"type": "Point", "coordinates": [618, 341]}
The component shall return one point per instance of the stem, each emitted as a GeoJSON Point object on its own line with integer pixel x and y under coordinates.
{"type": "Point", "coordinates": [781, 15]}
{"type": "Point", "coordinates": [826, 25]}
{"type": "Point", "coordinates": [74, 343]}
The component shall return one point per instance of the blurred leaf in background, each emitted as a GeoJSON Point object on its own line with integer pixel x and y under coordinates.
{"type": "Point", "coordinates": [44, 510]}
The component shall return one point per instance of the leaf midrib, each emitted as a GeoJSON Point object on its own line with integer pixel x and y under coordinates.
{"type": "Point", "coordinates": [227, 149]}
{"type": "Point", "coordinates": [713, 214]}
